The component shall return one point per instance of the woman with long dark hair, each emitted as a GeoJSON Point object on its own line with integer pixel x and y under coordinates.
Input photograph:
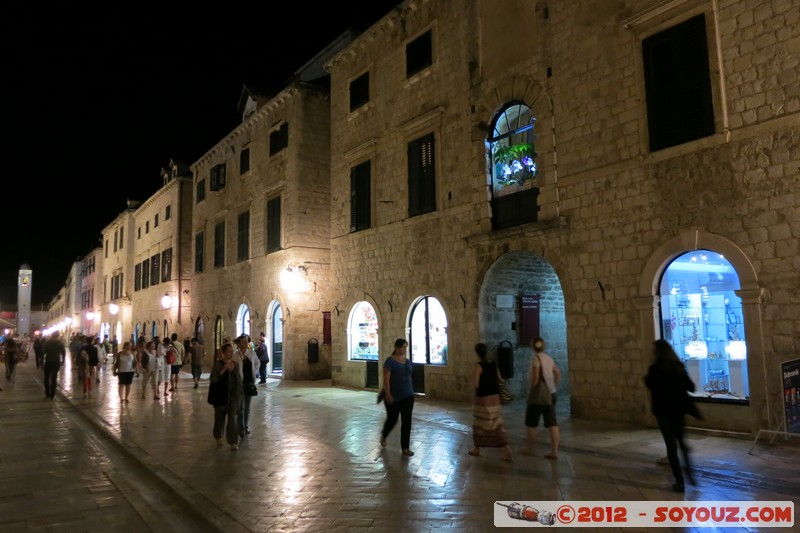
{"type": "Point", "coordinates": [488, 429]}
{"type": "Point", "coordinates": [399, 395]}
{"type": "Point", "coordinates": [669, 385]}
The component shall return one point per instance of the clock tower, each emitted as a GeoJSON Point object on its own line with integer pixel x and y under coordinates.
{"type": "Point", "coordinates": [24, 285]}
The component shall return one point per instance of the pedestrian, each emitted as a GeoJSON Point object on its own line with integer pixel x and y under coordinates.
{"type": "Point", "coordinates": [55, 354]}
{"type": "Point", "coordinates": [263, 359]}
{"type": "Point", "coordinates": [197, 354]}
{"type": "Point", "coordinates": [81, 363]}
{"type": "Point", "coordinates": [178, 362]}
{"type": "Point", "coordinates": [75, 347]}
{"type": "Point", "coordinates": [249, 362]}
{"type": "Point", "coordinates": [545, 374]}
{"type": "Point", "coordinates": [225, 394]}
{"type": "Point", "coordinates": [147, 368]}
{"type": "Point", "coordinates": [12, 351]}
{"type": "Point", "coordinates": [398, 395]}
{"type": "Point", "coordinates": [161, 370]}
{"type": "Point", "coordinates": [124, 368]}
{"type": "Point", "coordinates": [94, 351]}
{"type": "Point", "coordinates": [164, 371]}
{"type": "Point", "coordinates": [115, 344]}
{"type": "Point", "coordinates": [488, 429]}
{"type": "Point", "coordinates": [38, 350]}
{"type": "Point", "coordinates": [669, 385]}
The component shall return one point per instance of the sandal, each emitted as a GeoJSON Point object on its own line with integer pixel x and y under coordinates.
{"type": "Point", "coordinates": [475, 453]}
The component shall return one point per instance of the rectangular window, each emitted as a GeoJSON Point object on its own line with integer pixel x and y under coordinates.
{"type": "Point", "coordinates": [244, 160]}
{"type": "Point", "coordinates": [155, 270]}
{"type": "Point", "coordinates": [155, 221]}
{"type": "Point", "coordinates": [421, 176]}
{"type": "Point", "coordinates": [168, 213]}
{"type": "Point", "coordinates": [145, 273]}
{"type": "Point", "coordinates": [121, 236]}
{"type": "Point", "coordinates": [279, 139]}
{"type": "Point", "coordinates": [274, 225]}
{"type": "Point", "coordinates": [147, 227]}
{"type": "Point", "coordinates": [201, 191]}
{"type": "Point", "coordinates": [360, 202]}
{"type": "Point", "coordinates": [166, 265]}
{"type": "Point", "coordinates": [678, 84]}
{"type": "Point", "coordinates": [199, 243]}
{"type": "Point", "coordinates": [139, 232]}
{"type": "Point", "coordinates": [359, 91]}
{"type": "Point", "coordinates": [137, 277]}
{"type": "Point", "coordinates": [217, 177]}
{"type": "Point", "coordinates": [106, 249]}
{"type": "Point", "coordinates": [115, 240]}
{"type": "Point", "coordinates": [419, 54]}
{"type": "Point", "coordinates": [219, 245]}
{"type": "Point", "coordinates": [243, 240]}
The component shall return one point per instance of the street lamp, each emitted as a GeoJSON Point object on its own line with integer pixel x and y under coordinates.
{"type": "Point", "coordinates": [166, 301]}
{"type": "Point", "coordinates": [113, 309]}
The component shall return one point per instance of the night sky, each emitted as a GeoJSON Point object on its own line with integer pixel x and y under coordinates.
{"type": "Point", "coordinates": [95, 103]}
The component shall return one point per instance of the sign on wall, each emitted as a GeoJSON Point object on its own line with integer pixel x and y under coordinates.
{"type": "Point", "coordinates": [530, 319]}
{"type": "Point", "coordinates": [790, 371]}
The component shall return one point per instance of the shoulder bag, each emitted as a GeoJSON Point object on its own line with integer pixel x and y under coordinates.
{"type": "Point", "coordinates": [540, 394]}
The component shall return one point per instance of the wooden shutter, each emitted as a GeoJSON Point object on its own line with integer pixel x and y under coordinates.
{"type": "Point", "coordinates": [678, 84]}
{"type": "Point", "coordinates": [199, 243]}
{"type": "Point", "coordinates": [274, 225]}
{"type": "Point", "coordinates": [421, 176]}
{"type": "Point", "coordinates": [360, 197]}
{"type": "Point", "coordinates": [244, 236]}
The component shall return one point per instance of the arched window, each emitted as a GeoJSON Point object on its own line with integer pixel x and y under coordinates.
{"type": "Point", "coordinates": [199, 330]}
{"type": "Point", "coordinates": [243, 320]}
{"type": "Point", "coordinates": [219, 333]}
{"type": "Point", "coordinates": [701, 317]}
{"type": "Point", "coordinates": [362, 333]}
{"type": "Point", "coordinates": [428, 332]}
{"type": "Point", "coordinates": [513, 171]}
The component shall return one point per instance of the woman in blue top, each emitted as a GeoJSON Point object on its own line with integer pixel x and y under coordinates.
{"type": "Point", "coordinates": [399, 399]}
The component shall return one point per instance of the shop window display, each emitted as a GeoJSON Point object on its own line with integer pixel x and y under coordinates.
{"type": "Point", "coordinates": [702, 319]}
{"type": "Point", "coordinates": [363, 333]}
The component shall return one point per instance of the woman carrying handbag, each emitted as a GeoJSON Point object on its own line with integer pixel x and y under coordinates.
{"type": "Point", "coordinates": [545, 376]}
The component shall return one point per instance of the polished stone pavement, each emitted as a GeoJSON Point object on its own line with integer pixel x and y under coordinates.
{"type": "Point", "coordinates": [314, 463]}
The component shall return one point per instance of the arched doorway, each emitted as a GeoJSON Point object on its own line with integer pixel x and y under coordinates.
{"type": "Point", "coordinates": [427, 337]}
{"type": "Point", "coordinates": [199, 330]}
{"type": "Point", "coordinates": [522, 298]}
{"type": "Point", "coordinates": [275, 338]}
{"type": "Point", "coordinates": [363, 340]}
{"type": "Point", "coordinates": [243, 321]}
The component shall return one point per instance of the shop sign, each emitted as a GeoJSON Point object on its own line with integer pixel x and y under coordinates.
{"type": "Point", "coordinates": [790, 372]}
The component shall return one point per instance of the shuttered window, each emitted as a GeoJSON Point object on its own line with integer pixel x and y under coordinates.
{"type": "Point", "coordinates": [155, 269]}
{"type": "Point", "coordinates": [244, 160]}
{"type": "Point", "coordinates": [678, 84]}
{"type": "Point", "coordinates": [219, 245]}
{"type": "Point", "coordinates": [360, 202]}
{"type": "Point", "coordinates": [243, 237]}
{"type": "Point", "coordinates": [166, 265]}
{"type": "Point", "coordinates": [199, 256]}
{"type": "Point", "coordinates": [421, 176]}
{"type": "Point", "coordinates": [274, 225]}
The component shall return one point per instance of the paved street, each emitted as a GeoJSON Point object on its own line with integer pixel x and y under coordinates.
{"type": "Point", "coordinates": [313, 462]}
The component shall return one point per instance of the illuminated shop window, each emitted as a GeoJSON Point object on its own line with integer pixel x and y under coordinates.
{"type": "Point", "coordinates": [362, 333]}
{"type": "Point", "coordinates": [701, 316]}
{"type": "Point", "coordinates": [428, 338]}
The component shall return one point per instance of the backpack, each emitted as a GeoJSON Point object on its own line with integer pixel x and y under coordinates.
{"type": "Point", "coordinates": [145, 359]}
{"type": "Point", "coordinates": [171, 356]}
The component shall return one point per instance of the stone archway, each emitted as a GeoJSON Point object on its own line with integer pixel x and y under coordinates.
{"type": "Point", "coordinates": [762, 408]}
{"type": "Point", "coordinates": [513, 275]}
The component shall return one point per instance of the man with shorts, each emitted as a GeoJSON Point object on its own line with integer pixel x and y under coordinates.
{"type": "Point", "coordinates": [543, 365]}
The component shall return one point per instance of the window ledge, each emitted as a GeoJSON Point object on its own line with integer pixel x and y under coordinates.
{"type": "Point", "coordinates": [524, 230]}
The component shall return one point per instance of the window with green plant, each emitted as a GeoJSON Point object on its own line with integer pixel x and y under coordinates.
{"type": "Point", "coordinates": [512, 150]}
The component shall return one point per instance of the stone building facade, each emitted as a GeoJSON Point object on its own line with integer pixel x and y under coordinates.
{"type": "Point", "coordinates": [631, 169]}
{"type": "Point", "coordinates": [261, 232]}
{"type": "Point", "coordinates": [159, 281]}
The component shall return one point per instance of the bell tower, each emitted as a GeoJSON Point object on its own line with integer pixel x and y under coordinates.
{"type": "Point", "coordinates": [24, 285]}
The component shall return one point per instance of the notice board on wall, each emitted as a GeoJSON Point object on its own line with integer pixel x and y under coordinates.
{"type": "Point", "coordinates": [529, 319]}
